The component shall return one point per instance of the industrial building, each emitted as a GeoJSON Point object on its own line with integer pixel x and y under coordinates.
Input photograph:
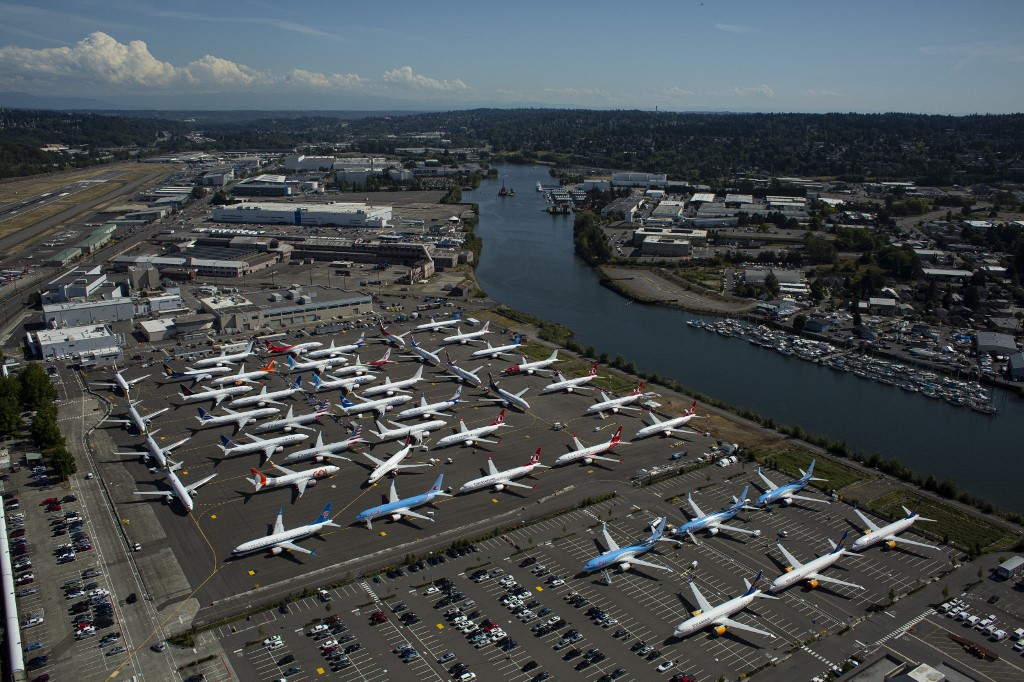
{"type": "Point", "coordinates": [73, 342]}
{"type": "Point", "coordinates": [695, 237]}
{"type": "Point", "coordinates": [994, 342]}
{"type": "Point", "coordinates": [665, 247]}
{"type": "Point", "coordinates": [1010, 568]}
{"type": "Point", "coordinates": [332, 213]}
{"type": "Point", "coordinates": [284, 307]}
{"type": "Point", "coordinates": [645, 180]}
{"type": "Point", "coordinates": [264, 186]}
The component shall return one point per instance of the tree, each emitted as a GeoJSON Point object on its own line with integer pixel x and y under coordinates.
{"type": "Point", "coordinates": [36, 388]}
{"type": "Point", "coordinates": [771, 284]}
{"type": "Point", "coordinates": [799, 322]}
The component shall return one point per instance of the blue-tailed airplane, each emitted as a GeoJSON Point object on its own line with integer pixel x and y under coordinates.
{"type": "Point", "coordinates": [626, 557]}
{"type": "Point", "coordinates": [712, 523]}
{"type": "Point", "coordinates": [395, 508]}
{"type": "Point", "coordinates": [785, 494]}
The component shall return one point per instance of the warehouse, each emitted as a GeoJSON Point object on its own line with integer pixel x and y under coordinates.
{"type": "Point", "coordinates": [71, 342]}
{"type": "Point", "coordinates": [994, 342]}
{"type": "Point", "coordinates": [340, 214]}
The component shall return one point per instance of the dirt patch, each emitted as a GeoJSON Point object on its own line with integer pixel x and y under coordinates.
{"type": "Point", "coordinates": [648, 286]}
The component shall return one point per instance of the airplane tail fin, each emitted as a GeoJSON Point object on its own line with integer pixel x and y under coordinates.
{"type": "Point", "coordinates": [500, 419]}
{"type": "Point", "coordinates": [752, 587]}
{"type": "Point", "coordinates": [269, 367]}
{"type": "Point", "coordinates": [742, 498]}
{"type": "Point", "coordinates": [325, 515]}
{"type": "Point", "coordinates": [536, 457]}
{"type": "Point", "coordinates": [361, 341]}
{"type": "Point", "coordinates": [258, 480]}
{"type": "Point", "coordinates": [297, 384]}
{"type": "Point", "coordinates": [291, 362]}
{"type": "Point", "coordinates": [457, 396]}
{"type": "Point", "coordinates": [911, 513]}
{"type": "Point", "coordinates": [616, 437]}
{"type": "Point", "coordinates": [436, 488]}
{"type": "Point", "coordinates": [345, 402]}
{"type": "Point", "coordinates": [692, 410]}
{"type": "Point", "coordinates": [841, 544]}
{"type": "Point", "coordinates": [593, 370]}
{"type": "Point", "coordinates": [639, 388]}
{"type": "Point", "coordinates": [186, 392]}
{"type": "Point", "coordinates": [317, 382]}
{"type": "Point", "coordinates": [168, 372]}
{"type": "Point", "coordinates": [227, 444]}
{"type": "Point", "coordinates": [204, 416]}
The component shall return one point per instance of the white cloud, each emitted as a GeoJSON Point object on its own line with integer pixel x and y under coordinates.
{"type": "Point", "coordinates": [740, 91]}
{"type": "Point", "coordinates": [405, 76]}
{"type": "Point", "coordinates": [735, 28]}
{"type": "Point", "coordinates": [811, 92]}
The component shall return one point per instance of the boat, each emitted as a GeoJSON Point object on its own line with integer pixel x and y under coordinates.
{"type": "Point", "coordinates": [506, 191]}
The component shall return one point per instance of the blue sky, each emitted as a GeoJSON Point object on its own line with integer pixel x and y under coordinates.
{"type": "Point", "coordinates": [920, 56]}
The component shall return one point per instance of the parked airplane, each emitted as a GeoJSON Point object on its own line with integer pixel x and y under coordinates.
{"type": "Point", "coordinates": [391, 387]}
{"type": "Point", "coordinates": [379, 406]}
{"type": "Point", "coordinates": [467, 337]}
{"type": "Point", "coordinates": [423, 354]}
{"type": "Point", "coordinates": [396, 509]}
{"type": "Point", "coordinates": [281, 539]}
{"type": "Point", "coordinates": [239, 419]}
{"type": "Point", "coordinates": [384, 360]}
{"type": "Point", "coordinates": [464, 375]}
{"type": "Point", "coordinates": [569, 385]}
{"type": "Point", "coordinates": [785, 494]}
{"type": "Point", "coordinates": [606, 404]}
{"type": "Point", "coordinates": [153, 450]}
{"type": "Point", "coordinates": [535, 367]}
{"type": "Point", "coordinates": [418, 431]}
{"type": "Point", "coordinates": [506, 398]}
{"type": "Point", "coordinates": [719, 616]}
{"type": "Point", "coordinates": [668, 427]}
{"type": "Point", "coordinates": [811, 571]}
{"type": "Point", "coordinates": [472, 436]}
{"type": "Point", "coordinates": [183, 493]}
{"type": "Point", "coordinates": [290, 422]}
{"type": "Point", "coordinates": [322, 451]}
{"type": "Point", "coordinates": [266, 446]}
{"type": "Point", "coordinates": [499, 480]}
{"type": "Point", "coordinates": [136, 420]}
{"type": "Point", "coordinates": [316, 365]}
{"type": "Point", "coordinates": [217, 395]}
{"type": "Point", "coordinates": [887, 533]}
{"type": "Point", "coordinates": [434, 325]}
{"type": "Point", "coordinates": [495, 352]}
{"type": "Point", "coordinates": [224, 358]}
{"type": "Point", "coordinates": [120, 383]}
{"type": "Point", "coordinates": [296, 349]}
{"type": "Point", "coordinates": [333, 351]}
{"type": "Point", "coordinates": [712, 523]}
{"type": "Point", "coordinates": [265, 397]}
{"type": "Point", "coordinates": [433, 409]}
{"type": "Point", "coordinates": [346, 384]}
{"type": "Point", "coordinates": [395, 340]}
{"type": "Point", "coordinates": [243, 376]}
{"type": "Point", "coordinates": [626, 557]}
{"type": "Point", "coordinates": [589, 453]}
{"type": "Point", "coordinates": [300, 480]}
{"type": "Point", "coordinates": [195, 374]}
{"type": "Point", "coordinates": [392, 465]}
{"type": "Point", "coordinates": [357, 368]}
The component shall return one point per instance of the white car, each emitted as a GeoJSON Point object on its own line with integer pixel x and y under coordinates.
{"type": "Point", "coordinates": [665, 666]}
{"type": "Point", "coordinates": [272, 640]}
{"type": "Point", "coordinates": [556, 582]}
{"type": "Point", "coordinates": [431, 590]}
{"type": "Point", "coordinates": [328, 642]}
{"type": "Point", "coordinates": [98, 592]}
{"type": "Point", "coordinates": [317, 628]}
{"type": "Point", "coordinates": [275, 646]}
{"type": "Point", "coordinates": [32, 621]}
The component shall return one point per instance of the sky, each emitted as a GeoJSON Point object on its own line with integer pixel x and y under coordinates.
{"type": "Point", "coordinates": [919, 56]}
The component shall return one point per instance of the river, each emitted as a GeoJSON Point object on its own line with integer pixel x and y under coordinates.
{"type": "Point", "coordinates": [528, 264]}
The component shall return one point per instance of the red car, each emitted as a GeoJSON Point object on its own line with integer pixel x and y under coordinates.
{"type": "Point", "coordinates": [378, 617]}
{"type": "Point", "coordinates": [49, 500]}
{"type": "Point", "coordinates": [330, 650]}
{"type": "Point", "coordinates": [55, 507]}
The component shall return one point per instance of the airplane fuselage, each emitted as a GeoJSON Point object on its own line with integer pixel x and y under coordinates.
{"type": "Point", "coordinates": [796, 575]}
{"type": "Point", "coordinates": [708, 618]}
{"type": "Point", "coordinates": [269, 541]}
{"type": "Point", "coordinates": [496, 480]}
{"type": "Point", "coordinates": [876, 536]}
{"type": "Point", "coordinates": [394, 509]}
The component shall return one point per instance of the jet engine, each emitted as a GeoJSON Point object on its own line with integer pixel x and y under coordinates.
{"type": "Point", "coordinates": [274, 551]}
{"type": "Point", "coordinates": [720, 630]}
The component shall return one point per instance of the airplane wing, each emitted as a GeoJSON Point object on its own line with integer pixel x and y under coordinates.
{"type": "Point", "coordinates": [195, 485]}
{"type": "Point", "coordinates": [301, 484]}
{"type": "Point", "coordinates": [608, 540]}
{"type": "Point", "coordinates": [736, 625]}
{"type": "Point", "coordinates": [793, 561]}
{"type": "Point", "coordinates": [147, 417]}
{"type": "Point", "coordinates": [684, 431]}
{"type": "Point", "coordinates": [484, 440]}
{"type": "Point", "coordinates": [904, 541]}
{"type": "Point", "coordinates": [807, 499]}
{"type": "Point", "coordinates": [607, 459]}
{"type": "Point", "coordinates": [695, 508]}
{"type": "Point", "coordinates": [702, 602]}
{"type": "Point", "coordinates": [159, 493]}
{"type": "Point", "coordinates": [132, 382]}
{"type": "Point", "coordinates": [410, 466]}
{"type": "Point", "coordinates": [278, 524]}
{"type": "Point", "coordinates": [367, 455]}
{"type": "Point", "coordinates": [771, 486]}
{"type": "Point", "coordinates": [284, 469]}
{"type": "Point", "coordinates": [168, 448]}
{"type": "Point", "coordinates": [867, 522]}
{"type": "Point", "coordinates": [638, 562]}
{"type": "Point", "coordinates": [417, 515]}
{"type": "Point", "coordinates": [106, 384]}
{"type": "Point", "coordinates": [833, 581]}
{"type": "Point", "coordinates": [293, 547]}
{"type": "Point", "coordinates": [392, 494]}
{"type": "Point", "coordinates": [518, 485]}
{"type": "Point", "coordinates": [219, 399]}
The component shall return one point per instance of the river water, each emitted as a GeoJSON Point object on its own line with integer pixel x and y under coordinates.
{"type": "Point", "coordinates": [528, 264]}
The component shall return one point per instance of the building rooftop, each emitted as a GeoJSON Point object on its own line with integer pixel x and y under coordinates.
{"type": "Point", "coordinates": [92, 331]}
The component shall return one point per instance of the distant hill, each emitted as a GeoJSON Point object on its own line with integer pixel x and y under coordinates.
{"type": "Point", "coordinates": [23, 100]}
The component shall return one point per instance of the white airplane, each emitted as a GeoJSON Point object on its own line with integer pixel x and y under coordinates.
{"type": "Point", "coordinates": [153, 450]}
{"type": "Point", "coordinates": [466, 436]}
{"type": "Point", "coordinates": [499, 480]}
{"type": "Point", "coordinates": [357, 368]}
{"type": "Point", "coordinates": [281, 539]}
{"type": "Point", "coordinates": [713, 523]}
{"type": "Point", "coordinates": [506, 398]}
{"type": "Point", "coordinates": [719, 616]}
{"type": "Point", "coordinates": [668, 427]}
{"type": "Point", "coordinates": [391, 387]}
{"type": "Point", "coordinates": [265, 397]}
{"type": "Point", "coordinates": [300, 480]}
{"type": "Point", "coordinates": [290, 422]}
{"type": "Point", "coordinates": [464, 375]}
{"type": "Point", "coordinates": [120, 383]}
{"type": "Point", "coordinates": [395, 340]}
{"type": "Point", "coordinates": [423, 354]}
{"type": "Point", "coordinates": [426, 411]}
{"type": "Point", "coordinates": [434, 325]}
{"type": "Point", "coordinates": [346, 384]}
{"type": "Point", "coordinates": [333, 351]}
{"type": "Point", "coordinates": [396, 509]}
{"type": "Point", "coordinates": [467, 337]}
{"type": "Point", "coordinates": [139, 421]}
{"type": "Point", "coordinates": [224, 358]}
{"type": "Point", "coordinates": [887, 533]}
{"type": "Point", "coordinates": [418, 431]}
{"type": "Point", "coordinates": [266, 446]}
{"type": "Point", "coordinates": [495, 352]}
{"type": "Point", "coordinates": [183, 493]}
{"type": "Point", "coordinates": [315, 365]}
{"type": "Point", "coordinates": [322, 451]}
{"type": "Point", "coordinates": [811, 571]}
{"type": "Point", "coordinates": [243, 376]}
{"type": "Point", "coordinates": [297, 349]}
{"type": "Point", "coordinates": [606, 404]}
{"type": "Point", "coordinates": [626, 557]}
{"type": "Point", "coordinates": [535, 367]}
{"type": "Point", "coordinates": [217, 395]}
{"type": "Point", "coordinates": [392, 465]}
{"type": "Point", "coordinates": [239, 419]}
{"type": "Point", "coordinates": [589, 454]}
{"type": "Point", "coordinates": [569, 385]}
{"type": "Point", "coordinates": [379, 406]}
{"type": "Point", "coordinates": [194, 374]}
{"type": "Point", "coordinates": [785, 494]}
